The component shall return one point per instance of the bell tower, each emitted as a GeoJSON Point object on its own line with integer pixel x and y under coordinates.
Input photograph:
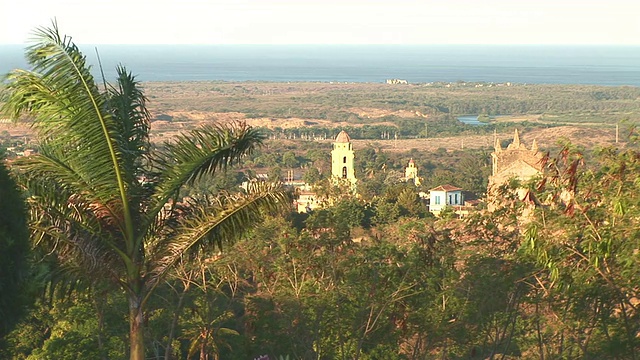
{"type": "Point", "coordinates": [515, 162]}
{"type": "Point", "coordinates": [411, 173]}
{"type": "Point", "coordinates": [342, 157]}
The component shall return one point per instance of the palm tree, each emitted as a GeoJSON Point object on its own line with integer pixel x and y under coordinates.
{"type": "Point", "coordinates": [101, 200]}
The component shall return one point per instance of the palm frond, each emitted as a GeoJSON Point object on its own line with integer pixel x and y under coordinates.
{"type": "Point", "coordinates": [70, 113]}
{"type": "Point", "coordinates": [50, 164]}
{"type": "Point", "coordinates": [209, 224]}
{"type": "Point", "coordinates": [128, 105]}
{"type": "Point", "coordinates": [51, 169]}
{"type": "Point", "coordinates": [64, 225]}
{"type": "Point", "coordinates": [198, 153]}
{"type": "Point", "coordinates": [204, 151]}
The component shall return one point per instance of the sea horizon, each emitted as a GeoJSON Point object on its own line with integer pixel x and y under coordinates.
{"type": "Point", "coordinates": [610, 65]}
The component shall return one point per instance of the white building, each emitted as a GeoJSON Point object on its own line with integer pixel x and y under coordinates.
{"type": "Point", "coordinates": [445, 195]}
{"type": "Point", "coordinates": [307, 201]}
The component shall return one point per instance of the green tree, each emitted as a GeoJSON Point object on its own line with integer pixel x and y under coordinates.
{"type": "Point", "coordinates": [385, 212]}
{"type": "Point", "coordinates": [586, 243]}
{"type": "Point", "coordinates": [73, 330]}
{"type": "Point", "coordinates": [409, 203]}
{"type": "Point", "coordinates": [275, 173]}
{"type": "Point", "coordinates": [321, 159]}
{"type": "Point", "coordinates": [312, 176]}
{"type": "Point", "coordinates": [289, 160]}
{"type": "Point", "coordinates": [102, 201]}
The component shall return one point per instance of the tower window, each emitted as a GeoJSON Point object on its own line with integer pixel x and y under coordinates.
{"type": "Point", "coordinates": [344, 172]}
{"type": "Point", "coordinates": [344, 160]}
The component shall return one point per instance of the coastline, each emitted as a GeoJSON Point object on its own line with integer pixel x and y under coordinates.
{"type": "Point", "coordinates": [530, 64]}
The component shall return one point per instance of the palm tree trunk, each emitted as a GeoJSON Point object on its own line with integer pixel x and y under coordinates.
{"type": "Point", "coordinates": [97, 303]}
{"type": "Point", "coordinates": [168, 353]}
{"type": "Point", "coordinates": [136, 327]}
{"type": "Point", "coordinates": [203, 347]}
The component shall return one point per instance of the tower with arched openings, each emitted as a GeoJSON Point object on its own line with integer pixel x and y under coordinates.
{"type": "Point", "coordinates": [342, 157]}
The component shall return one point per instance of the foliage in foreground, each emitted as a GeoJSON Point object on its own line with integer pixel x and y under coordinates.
{"type": "Point", "coordinates": [560, 285]}
{"type": "Point", "coordinates": [103, 203]}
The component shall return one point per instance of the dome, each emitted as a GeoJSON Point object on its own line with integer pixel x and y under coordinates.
{"type": "Point", "coordinates": [343, 137]}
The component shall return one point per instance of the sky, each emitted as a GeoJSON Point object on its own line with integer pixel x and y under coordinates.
{"type": "Point", "coordinates": [589, 22]}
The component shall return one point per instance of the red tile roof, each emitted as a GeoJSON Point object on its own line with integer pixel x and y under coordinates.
{"type": "Point", "coordinates": [446, 187]}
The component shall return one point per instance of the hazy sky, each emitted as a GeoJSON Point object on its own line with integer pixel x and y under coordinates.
{"type": "Point", "coordinates": [327, 21]}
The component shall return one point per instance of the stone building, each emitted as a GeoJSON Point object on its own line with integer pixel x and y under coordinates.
{"type": "Point", "coordinates": [515, 162]}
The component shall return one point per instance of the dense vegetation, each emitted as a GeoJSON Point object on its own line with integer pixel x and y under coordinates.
{"type": "Point", "coordinates": [129, 267]}
{"type": "Point", "coordinates": [379, 279]}
{"type": "Point", "coordinates": [437, 126]}
{"type": "Point", "coordinates": [335, 102]}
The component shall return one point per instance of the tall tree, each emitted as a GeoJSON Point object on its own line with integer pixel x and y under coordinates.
{"type": "Point", "coordinates": [102, 201]}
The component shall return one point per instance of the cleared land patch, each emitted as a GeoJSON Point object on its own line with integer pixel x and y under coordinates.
{"type": "Point", "coordinates": [585, 115]}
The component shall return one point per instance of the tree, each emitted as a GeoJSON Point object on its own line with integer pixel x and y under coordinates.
{"type": "Point", "coordinates": [586, 244]}
{"type": "Point", "coordinates": [311, 176]}
{"type": "Point", "coordinates": [275, 173]}
{"type": "Point", "coordinates": [102, 202]}
{"type": "Point", "coordinates": [409, 203]}
{"type": "Point", "coordinates": [14, 252]}
{"type": "Point", "coordinates": [385, 212]}
{"type": "Point", "coordinates": [289, 160]}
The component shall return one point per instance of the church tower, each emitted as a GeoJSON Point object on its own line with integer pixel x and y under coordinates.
{"type": "Point", "coordinates": [411, 173]}
{"type": "Point", "coordinates": [515, 162]}
{"type": "Point", "coordinates": [342, 157]}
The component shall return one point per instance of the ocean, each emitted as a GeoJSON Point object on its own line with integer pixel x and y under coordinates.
{"type": "Point", "coordinates": [536, 64]}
